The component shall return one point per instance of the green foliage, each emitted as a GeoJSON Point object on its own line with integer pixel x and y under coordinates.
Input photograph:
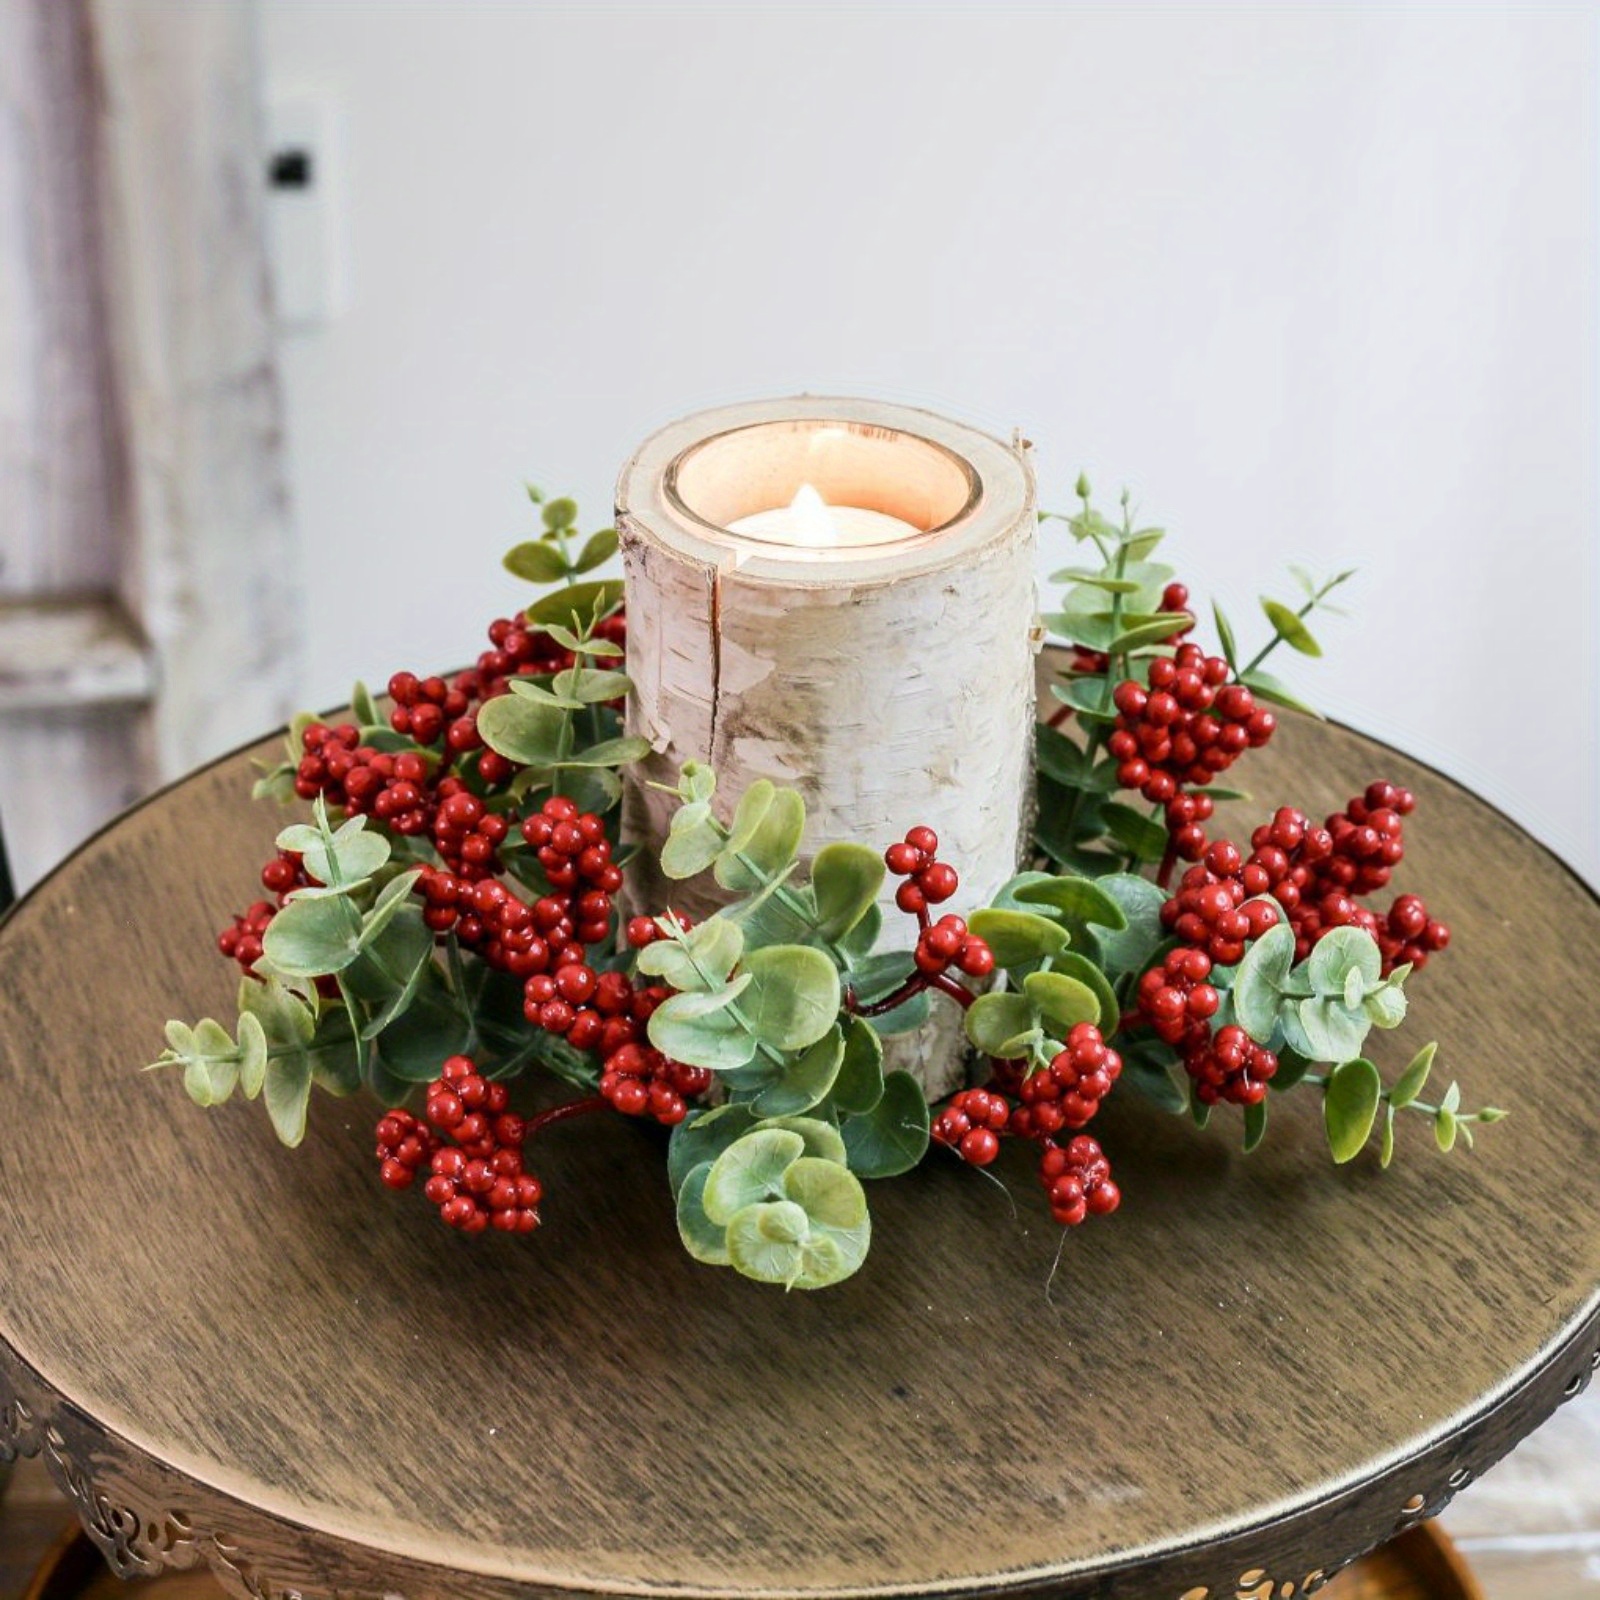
{"type": "Point", "coordinates": [1018, 937]}
{"type": "Point", "coordinates": [777, 1205]}
{"type": "Point", "coordinates": [1288, 627]}
{"type": "Point", "coordinates": [892, 1137]}
{"type": "Point", "coordinates": [845, 879]}
{"type": "Point", "coordinates": [1350, 1106]}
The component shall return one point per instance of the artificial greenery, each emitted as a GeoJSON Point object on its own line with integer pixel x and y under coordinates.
{"type": "Point", "coordinates": [383, 957]}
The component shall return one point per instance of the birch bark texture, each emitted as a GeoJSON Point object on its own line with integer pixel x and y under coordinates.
{"type": "Point", "coordinates": [891, 685]}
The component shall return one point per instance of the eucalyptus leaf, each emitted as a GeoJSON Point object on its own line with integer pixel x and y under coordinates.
{"type": "Point", "coordinates": [828, 1192]}
{"type": "Point", "coordinates": [693, 840]}
{"type": "Point", "coordinates": [313, 938]}
{"type": "Point", "coordinates": [993, 1020]}
{"type": "Point", "coordinates": [1129, 948]}
{"type": "Point", "coordinates": [1255, 1125]}
{"type": "Point", "coordinates": [702, 1136]}
{"type": "Point", "coordinates": [696, 782]}
{"type": "Point", "coordinates": [1445, 1128]}
{"type": "Point", "coordinates": [766, 1239]}
{"type": "Point", "coordinates": [1260, 979]}
{"type": "Point", "coordinates": [524, 730]}
{"type": "Point", "coordinates": [805, 1081]}
{"type": "Point", "coordinates": [1412, 1081]}
{"type": "Point", "coordinates": [285, 1018]}
{"type": "Point", "coordinates": [1061, 1001]}
{"type": "Point", "coordinates": [893, 1137]}
{"type": "Point", "coordinates": [821, 1138]}
{"type": "Point", "coordinates": [592, 685]}
{"type": "Point", "coordinates": [562, 513]}
{"type": "Point", "coordinates": [1334, 1032]}
{"type": "Point", "coordinates": [576, 604]}
{"type": "Point", "coordinates": [750, 1170]}
{"type": "Point", "coordinates": [1386, 1006]}
{"type": "Point", "coordinates": [1070, 964]}
{"type": "Point", "coordinates": [286, 1093]}
{"type": "Point", "coordinates": [1386, 1143]}
{"type": "Point", "coordinates": [1266, 687]}
{"type": "Point", "coordinates": [1349, 1107]}
{"type": "Point", "coordinates": [1017, 937]}
{"type": "Point", "coordinates": [598, 549]}
{"type": "Point", "coordinates": [771, 847]}
{"type": "Point", "coordinates": [845, 879]}
{"type": "Point", "coordinates": [252, 1054]}
{"type": "Point", "coordinates": [1290, 628]}
{"type": "Point", "coordinates": [704, 1239]}
{"type": "Point", "coordinates": [715, 1039]}
{"type": "Point", "coordinates": [608, 753]}
{"type": "Point", "coordinates": [859, 1084]}
{"type": "Point", "coordinates": [1080, 899]}
{"type": "Point", "coordinates": [536, 561]}
{"type": "Point", "coordinates": [708, 953]}
{"type": "Point", "coordinates": [748, 814]}
{"type": "Point", "coordinates": [793, 997]}
{"type": "Point", "coordinates": [1335, 954]}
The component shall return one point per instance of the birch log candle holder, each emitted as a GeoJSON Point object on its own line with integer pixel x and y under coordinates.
{"type": "Point", "coordinates": [837, 595]}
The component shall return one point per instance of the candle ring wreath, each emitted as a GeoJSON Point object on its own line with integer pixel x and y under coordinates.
{"type": "Point", "coordinates": [446, 929]}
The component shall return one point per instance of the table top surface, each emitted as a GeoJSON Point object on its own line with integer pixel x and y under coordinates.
{"type": "Point", "coordinates": [1253, 1347]}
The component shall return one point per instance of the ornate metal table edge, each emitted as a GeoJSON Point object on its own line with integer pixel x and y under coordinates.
{"type": "Point", "coordinates": [146, 1518]}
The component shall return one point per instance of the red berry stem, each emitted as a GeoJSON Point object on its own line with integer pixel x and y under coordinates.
{"type": "Point", "coordinates": [565, 1112]}
{"type": "Point", "coordinates": [909, 990]}
{"type": "Point", "coordinates": [958, 992]}
{"type": "Point", "coordinates": [1169, 860]}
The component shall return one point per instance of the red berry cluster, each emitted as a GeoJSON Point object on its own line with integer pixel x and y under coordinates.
{"type": "Point", "coordinates": [1190, 725]}
{"type": "Point", "coordinates": [641, 1082]}
{"type": "Point", "coordinates": [466, 833]}
{"type": "Point", "coordinates": [1211, 910]}
{"type": "Point", "coordinates": [1316, 875]}
{"type": "Point", "coordinates": [1230, 1066]}
{"type": "Point", "coordinates": [971, 1125]}
{"type": "Point", "coordinates": [573, 850]}
{"type": "Point", "coordinates": [1077, 1178]}
{"type": "Point", "coordinates": [423, 706]}
{"type": "Point", "coordinates": [1068, 1092]}
{"type": "Point", "coordinates": [929, 881]}
{"type": "Point", "coordinates": [405, 1145]}
{"type": "Point", "coordinates": [1064, 1095]}
{"type": "Point", "coordinates": [947, 943]}
{"type": "Point", "coordinates": [364, 781]}
{"type": "Point", "coordinates": [1177, 999]}
{"type": "Point", "coordinates": [473, 1153]}
{"type": "Point", "coordinates": [241, 940]}
{"type": "Point", "coordinates": [285, 873]}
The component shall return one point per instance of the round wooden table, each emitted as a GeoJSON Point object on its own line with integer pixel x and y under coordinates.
{"type": "Point", "coordinates": [236, 1355]}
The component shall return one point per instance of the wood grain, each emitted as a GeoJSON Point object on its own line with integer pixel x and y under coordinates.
{"type": "Point", "coordinates": [1264, 1364]}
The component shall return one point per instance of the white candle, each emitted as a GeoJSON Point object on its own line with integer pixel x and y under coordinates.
{"type": "Point", "coordinates": [809, 522]}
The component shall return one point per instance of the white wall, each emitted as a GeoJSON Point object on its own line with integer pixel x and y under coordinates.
{"type": "Point", "coordinates": [1318, 282]}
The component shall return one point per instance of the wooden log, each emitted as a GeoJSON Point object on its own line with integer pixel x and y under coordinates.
{"type": "Point", "coordinates": [892, 684]}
